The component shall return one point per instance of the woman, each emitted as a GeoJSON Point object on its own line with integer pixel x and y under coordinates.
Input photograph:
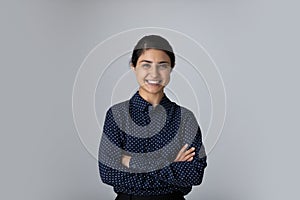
{"type": "Point", "coordinates": [151, 148]}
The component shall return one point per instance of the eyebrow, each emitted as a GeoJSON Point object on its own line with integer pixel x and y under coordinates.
{"type": "Point", "coordinates": [148, 61]}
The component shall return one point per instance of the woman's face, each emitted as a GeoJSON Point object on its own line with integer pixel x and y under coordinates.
{"type": "Point", "coordinates": [152, 71]}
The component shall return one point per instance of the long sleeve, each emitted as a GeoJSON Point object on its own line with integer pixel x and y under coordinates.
{"type": "Point", "coordinates": [112, 172]}
{"type": "Point", "coordinates": [185, 173]}
{"type": "Point", "coordinates": [152, 138]}
{"type": "Point", "coordinates": [178, 173]}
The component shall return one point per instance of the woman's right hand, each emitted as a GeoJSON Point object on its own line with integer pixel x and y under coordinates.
{"type": "Point", "coordinates": [184, 154]}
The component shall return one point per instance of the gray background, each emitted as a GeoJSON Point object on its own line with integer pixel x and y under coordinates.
{"type": "Point", "coordinates": [254, 43]}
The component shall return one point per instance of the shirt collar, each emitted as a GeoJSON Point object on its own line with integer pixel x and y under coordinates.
{"type": "Point", "coordinates": [141, 104]}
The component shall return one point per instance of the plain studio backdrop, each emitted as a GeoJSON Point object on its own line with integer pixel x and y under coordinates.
{"type": "Point", "coordinates": [255, 45]}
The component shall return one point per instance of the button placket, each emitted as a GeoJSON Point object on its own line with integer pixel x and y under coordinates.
{"type": "Point", "coordinates": [148, 123]}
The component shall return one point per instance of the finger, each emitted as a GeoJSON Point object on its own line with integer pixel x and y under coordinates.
{"type": "Point", "coordinates": [187, 157]}
{"type": "Point", "coordinates": [188, 152]}
{"type": "Point", "coordinates": [180, 156]}
{"type": "Point", "coordinates": [190, 159]}
{"type": "Point", "coordinates": [181, 152]}
{"type": "Point", "coordinates": [183, 149]}
{"type": "Point", "coordinates": [191, 150]}
{"type": "Point", "coordinates": [177, 157]}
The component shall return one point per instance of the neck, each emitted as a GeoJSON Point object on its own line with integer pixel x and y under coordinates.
{"type": "Point", "coordinates": [154, 99]}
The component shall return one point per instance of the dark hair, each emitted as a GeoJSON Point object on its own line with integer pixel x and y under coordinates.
{"type": "Point", "coordinates": [152, 42]}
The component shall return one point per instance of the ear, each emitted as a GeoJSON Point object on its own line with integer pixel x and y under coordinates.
{"type": "Point", "coordinates": [132, 67]}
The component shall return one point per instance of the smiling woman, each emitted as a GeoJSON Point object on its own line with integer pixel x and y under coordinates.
{"type": "Point", "coordinates": [151, 148]}
{"type": "Point", "coordinates": [152, 62]}
{"type": "Point", "coordinates": [153, 74]}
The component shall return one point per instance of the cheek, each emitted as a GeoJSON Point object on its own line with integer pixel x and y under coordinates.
{"type": "Point", "coordinates": [167, 77]}
{"type": "Point", "coordinates": [140, 74]}
{"type": "Point", "coordinates": [168, 80]}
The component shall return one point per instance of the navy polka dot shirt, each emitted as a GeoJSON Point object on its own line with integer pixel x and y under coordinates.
{"type": "Point", "coordinates": [152, 136]}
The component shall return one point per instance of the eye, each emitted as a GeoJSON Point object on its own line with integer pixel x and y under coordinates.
{"type": "Point", "coordinates": [163, 66]}
{"type": "Point", "coordinates": [146, 65]}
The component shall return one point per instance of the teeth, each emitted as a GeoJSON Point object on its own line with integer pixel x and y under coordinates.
{"type": "Point", "coordinates": [153, 82]}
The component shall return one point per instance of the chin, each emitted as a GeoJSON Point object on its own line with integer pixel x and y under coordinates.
{"type": "Point", "coordinates": [152, 91]}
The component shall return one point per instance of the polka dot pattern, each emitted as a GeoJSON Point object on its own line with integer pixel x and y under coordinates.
{"type": "Point", "coordinates": [152, 136]}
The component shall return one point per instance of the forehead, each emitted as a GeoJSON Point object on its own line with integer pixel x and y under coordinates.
{"type": "Point", "coordinates": [154, 55]}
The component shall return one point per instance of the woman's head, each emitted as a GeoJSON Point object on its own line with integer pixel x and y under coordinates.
{"type": "Point", "coordinates": [152, 42]}
{"type": "Point", "coordinates": [152, 62]}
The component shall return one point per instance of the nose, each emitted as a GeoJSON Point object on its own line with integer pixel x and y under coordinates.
{"type": "Point", "coordinates": [154, 71]}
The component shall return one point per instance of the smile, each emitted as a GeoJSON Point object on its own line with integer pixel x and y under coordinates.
{"type": "Point", "coordinates": [153, 81]}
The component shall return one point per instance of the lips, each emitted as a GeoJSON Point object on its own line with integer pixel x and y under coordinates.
{"type": "Point", "coordinates": [153, 82]}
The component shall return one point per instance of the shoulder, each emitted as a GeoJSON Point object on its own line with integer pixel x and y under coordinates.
{"type": "Point", "coordinates": [118, 109]}
{"type": "Point", "coordinates": [120, 106]}
{"type": "Point", "coordinates": [184, 112]}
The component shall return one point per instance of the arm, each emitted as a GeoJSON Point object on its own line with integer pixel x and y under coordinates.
{"type": "Point", "coordinates": [186, 173]}
{"type": "Point", "coordinates": [112, 172]}
{"type": "Point", "coordinates": [188, 167]}
{"type": "Point", "coordinates": [145, 163]}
